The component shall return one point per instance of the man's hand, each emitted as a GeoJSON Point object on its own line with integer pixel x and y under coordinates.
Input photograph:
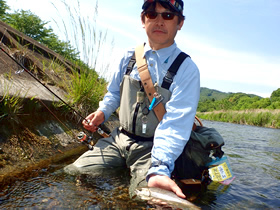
{"type": "Point", "coordinates": [93, 121]}
{"type": "Point", "coordinates": [166, 183]}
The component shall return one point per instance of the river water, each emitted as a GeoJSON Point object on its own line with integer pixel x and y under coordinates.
{"type": "Point", "coordinates": [253, 153]}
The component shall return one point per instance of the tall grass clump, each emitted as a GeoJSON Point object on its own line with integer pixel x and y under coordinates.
{"type": "Point", "coordinates": [86, 90]}
{"type": "Point", "coordinates": [87, 87]}
{"type": "Point", "coordinates": [83, 34]}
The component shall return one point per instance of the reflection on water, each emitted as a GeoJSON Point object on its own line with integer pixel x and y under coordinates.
{"type": "Point", "coordinates": [254, 156]}
{"type": "Point", "coordinates": [54, 188]}
{"type": "Point", "coordinates": [253, 152]}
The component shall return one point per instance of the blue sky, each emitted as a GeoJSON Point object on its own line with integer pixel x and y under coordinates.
{"type": "Point", "coordinates": [235, 44]}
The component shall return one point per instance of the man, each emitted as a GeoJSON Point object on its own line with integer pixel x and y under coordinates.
{"type": "Point", "coordinates": [149, 149]}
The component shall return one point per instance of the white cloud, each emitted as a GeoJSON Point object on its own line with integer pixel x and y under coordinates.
{"type": "Point", "coordinates": [223, 64]}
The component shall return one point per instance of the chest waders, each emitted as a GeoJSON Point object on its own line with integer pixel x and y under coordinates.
{"type": "Point", "coordinates": [136, 120]}
{"type": "Point", "coordinates": [134, 111]}
{"type": "Point", "coordinates": [204, 143]}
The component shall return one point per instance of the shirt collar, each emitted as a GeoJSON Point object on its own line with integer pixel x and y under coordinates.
{"type": "Point", "coordinates": [163, 54]}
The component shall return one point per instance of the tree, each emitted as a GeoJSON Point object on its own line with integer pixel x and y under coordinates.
{"type": "Point", "coordinates": [264, 103]}
{"type": "Point", "coordinates": [32, 26]}
{"type": "Point", "coordinates": [3, 8]}
{"type": "Point", "coordinates": [29, 24]}
{"type": "Point", "coordinates": [275, 95]}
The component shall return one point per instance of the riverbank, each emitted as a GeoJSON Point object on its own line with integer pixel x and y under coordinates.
{"type": "Point", "coordinates": [35, 130]}
{"type": "Point", "coordinates": [33, 140]}
{"type": "Point", "coordinates": [39, 137]}
{"type": "Point", "coordinates": [256, 117]}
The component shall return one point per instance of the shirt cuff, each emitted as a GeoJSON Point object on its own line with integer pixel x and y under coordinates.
{"type": "Point", "coordinates": [106, 115]}
{"type": "Point", "coordinates": [158, 170]}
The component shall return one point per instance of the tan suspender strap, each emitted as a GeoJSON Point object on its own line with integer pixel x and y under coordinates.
{"type": "Point", "coordinates": [147, 81]}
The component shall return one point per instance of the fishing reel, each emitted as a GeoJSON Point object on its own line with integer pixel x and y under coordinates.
{"type": "Point", "coordinates": [86, 139]}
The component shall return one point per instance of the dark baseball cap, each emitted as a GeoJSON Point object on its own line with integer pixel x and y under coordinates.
{"type": "Point", "coordinates": [178, 5]}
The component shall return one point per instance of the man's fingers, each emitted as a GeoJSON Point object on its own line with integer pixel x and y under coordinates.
{"type": "Point", "coordinates": [179, 192]}
{"type": "Point", "coordinates": [166, 183]}
{"type": "Point", "coordinates": [176, 189]}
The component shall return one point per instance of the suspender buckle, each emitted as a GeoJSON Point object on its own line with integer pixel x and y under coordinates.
{"type": "Point", "coordinates": [168, 77]}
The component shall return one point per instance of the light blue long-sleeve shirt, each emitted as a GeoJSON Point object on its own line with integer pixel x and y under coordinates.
{"type": "Point", "coordinates": [174, 130]}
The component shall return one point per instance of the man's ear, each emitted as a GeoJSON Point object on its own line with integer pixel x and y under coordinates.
{"type": "Point", "coordinates": [143, 21]}
{"type": "Point", "coordinates": [143, 24]}
{"type": "Point", "coordinates": [180, 25]}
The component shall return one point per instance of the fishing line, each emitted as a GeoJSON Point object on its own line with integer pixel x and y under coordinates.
{"type": "Point", "coordinates": [32, 75]}
{"type": "Point", "coordinates": [99, 130]}
{"type": "Point", "coordinates": [55, 116]}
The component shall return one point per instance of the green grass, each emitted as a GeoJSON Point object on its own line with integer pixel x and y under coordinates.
{"type": "Point", "coordinates": [85, 91]}
{"type": "Point", "coordinates": [84, 86]}
{"type": "Point", "coordinates": [263, 118]}
{"type": "Point", "coordinates": [10, 104]}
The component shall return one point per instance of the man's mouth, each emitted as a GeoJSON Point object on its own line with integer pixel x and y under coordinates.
{"type": "Point", "coordinates": [159, 31]}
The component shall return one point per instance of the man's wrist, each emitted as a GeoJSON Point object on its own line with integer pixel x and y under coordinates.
{"type": "Point", "coordinates": [105, 115]}
{"type": "Point", "coordinates": [158, 169]}
{"type": "Point", "coordinates": [159, 163]}
{"type": "Point", "coordinates": [149, 176]}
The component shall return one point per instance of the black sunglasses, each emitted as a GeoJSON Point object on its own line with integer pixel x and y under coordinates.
{"type": "Point", "coordinates": [164, 15]}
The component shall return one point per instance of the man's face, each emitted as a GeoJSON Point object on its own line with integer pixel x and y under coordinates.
{"type": "Point", "coordinates": [160, 32]}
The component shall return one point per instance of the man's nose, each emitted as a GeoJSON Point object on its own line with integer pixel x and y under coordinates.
{"type": "Point", "coordinates": [159, 19]}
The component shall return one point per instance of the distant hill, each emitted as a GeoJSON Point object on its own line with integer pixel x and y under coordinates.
{"type": "Point", "coordinates": [209, 94]}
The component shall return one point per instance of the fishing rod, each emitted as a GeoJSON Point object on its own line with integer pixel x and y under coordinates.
{"type": "Point", "coordinates": [32, 75]}
{"type": "Point", "coordinates": [99, 130]}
